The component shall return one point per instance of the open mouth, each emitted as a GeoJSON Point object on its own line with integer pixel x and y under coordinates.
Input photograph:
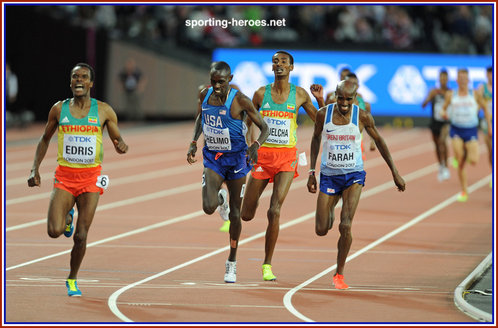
{"type": "Point", "coordinates": [79, 87]}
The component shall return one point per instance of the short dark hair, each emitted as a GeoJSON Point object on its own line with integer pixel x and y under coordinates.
{"type": "Point", "coordinates": [291, 59]}
{"type": "Point", "coordinates": [353, 75]}
{"type": "Point", "coordinates": [443, 71]}
{"type": "Point", "coordinates": [346, 68]}
{"type": "Point", "coordinates": [489, 69]}
{"type": "Point", "coordinates": [221, 66]}
{"type": "Point", "coordinates": [90, 68]}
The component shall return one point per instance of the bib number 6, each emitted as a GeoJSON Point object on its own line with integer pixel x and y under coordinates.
{"type": "Point", "coordinates": [103, 181]}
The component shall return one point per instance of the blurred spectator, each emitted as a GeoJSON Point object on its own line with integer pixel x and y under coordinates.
{"type": "Point", "coordinates": [483, 29]}
{"type": "Point", "coordinates": [105, 16]}
{"type": "Point", "coordinates": [346, 31]}
{"type": "Point", "coordinates": [398, 29]}
{"type": "Point", "coordinates": [444, 28]}
{"type": "Point", "coordinates": [133, 84]}
{"type": "Point", "coordinates": [14, 114]}
{"type": "Point", "coordinates": [364, 31]}
{"type": "Point", "coordinates": [11, 89]}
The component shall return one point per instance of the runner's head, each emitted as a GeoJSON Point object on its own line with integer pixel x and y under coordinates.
{"type": "Point", "coordinates": [220, 76]}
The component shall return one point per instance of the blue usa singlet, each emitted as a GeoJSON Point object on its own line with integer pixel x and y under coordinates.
{"type": "Point", "coordinates": [222, 133]}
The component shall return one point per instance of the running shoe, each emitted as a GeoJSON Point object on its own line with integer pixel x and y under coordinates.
{"type": "Point", "coordinates": [68, 232]}
{"type": "Point", "coordinates": [226, 226]}
{"type": "Point", "coordinates": [339, 282]}
{"type": "Point", "coordinates": [454, 163]}
{"type": "Point", "coordinates": [230, 271]}
{"type": "Point", "coordinates": [445, 174]}
{"type": "Point", "coordinates": [72, 288]}
{"type": "Point", "coordinates": [462, 197]}
{"type": "Point", "coordinates": [267, 274]}
{"type": "Point", "coordinates": [224, 208]}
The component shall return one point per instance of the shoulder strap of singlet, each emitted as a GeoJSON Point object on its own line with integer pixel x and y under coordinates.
{"type": "Point", "coordinates": [231, 96]}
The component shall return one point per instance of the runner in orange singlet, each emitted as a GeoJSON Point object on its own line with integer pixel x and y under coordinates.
{"type": "Point", "coordinates": [279, 105]}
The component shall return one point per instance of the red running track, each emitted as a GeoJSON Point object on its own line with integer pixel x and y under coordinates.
{"type": "Point", "coordinates": [153, 256]}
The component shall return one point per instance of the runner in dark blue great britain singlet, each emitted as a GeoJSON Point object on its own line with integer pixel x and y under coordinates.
{"type": "Point", "coordinates": [225, 138]}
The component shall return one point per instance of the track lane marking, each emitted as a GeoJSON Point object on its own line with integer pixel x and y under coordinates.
{"type": "Point", "coordinates": [405, 153]}
{"type": "Point", "coordinates": [287, 300]}
{"type": "Point", "coordinates": [112, 301]}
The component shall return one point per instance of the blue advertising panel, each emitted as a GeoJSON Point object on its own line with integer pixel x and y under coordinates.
{"type": "Point", "coordinates": [395, 84]}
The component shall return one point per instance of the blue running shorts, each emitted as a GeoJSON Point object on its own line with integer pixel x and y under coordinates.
{"type": "Point", "coordinates": [466, 134]}
{"type": "Point", "coordinates": [230, 166]}
{"type": "Point", "coordinates": [335, 184]}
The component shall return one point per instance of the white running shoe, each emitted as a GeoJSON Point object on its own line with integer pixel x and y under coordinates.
{"type": "Point", "coordinates": [224, 208]}
{"type": "Point", "coordinates": [230, 271]}
{"type": "Point", "coordinates": [445, 173]}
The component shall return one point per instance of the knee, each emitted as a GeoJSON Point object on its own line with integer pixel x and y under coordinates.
{"type": "Point", "coordinates": [321, 231]}
{"type": "Point", "coordinates": [209, 208]}
{"type": "Point", "coordinates": [246, 217]}
{"type": "Point", "coordinates": [345, 228]}
{"type": "Point", "coordinates": [234, 215]}
{"type": "Point", "coordinates": [54, 232]}
{"type": "Point", "coordinates": [273, 213]}
{"type": "Point", "coordinates": [80, 237]}
{"type": "Point", "coordinates": [245, 214]}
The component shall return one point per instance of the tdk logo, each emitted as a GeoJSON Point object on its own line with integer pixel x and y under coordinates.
{"type": "Point", "coordinates": [80, 139]}
{"type": "Point", "coordinates": [342, 147]}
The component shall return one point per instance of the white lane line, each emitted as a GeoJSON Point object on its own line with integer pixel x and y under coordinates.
{"type": "Point", "coordinates": [112, 302]}
{"type": "Point", "coordinates": [151, 175]}
{"type": "Point", "coordinates": [266, 193]}
{"type": "Point", "coordinates": [145, 157]}
{"type": "Point", "coordinates": [179, 169]}
{"type": "Point", "coordinates": [129, 201]}
{"type": "Point", "coordinates": [191, 187]}
{"type": "Point", "coordinates": [159, 194]}
{"type": "Point", "coordinates": [287, 300]}
{"type": "Point", "coordinates": [146, 160]}
{"type": "Point", "coordinates": [123, 235]}
{"type": "Point", "coordinates": [108, 166]}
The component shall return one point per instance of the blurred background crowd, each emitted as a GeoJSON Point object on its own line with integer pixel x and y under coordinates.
{"type": "Point", "coordinates": [447, 29]}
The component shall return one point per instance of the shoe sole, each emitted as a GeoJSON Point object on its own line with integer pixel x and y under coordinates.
{"type": "Point", "coordinates": [272, 279]}
{"type": "Point", "coordinates": [341, 288]}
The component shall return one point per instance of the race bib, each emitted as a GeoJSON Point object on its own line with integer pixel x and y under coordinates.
{"type": "Point", "coordinates": [279, 130]}
{"type": "Point", "coordinates": [460, 116]}
{"type": "Point", "coordinates": [79, 149]}
{"type": "Point", "coordinates": [340, 156]}
{"type": "Point", "coordinates": [217, 139]}
{"type": "Point", "coordinates": [438, 111]}
{"type": "Point", "coordinates": [103, 181]}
